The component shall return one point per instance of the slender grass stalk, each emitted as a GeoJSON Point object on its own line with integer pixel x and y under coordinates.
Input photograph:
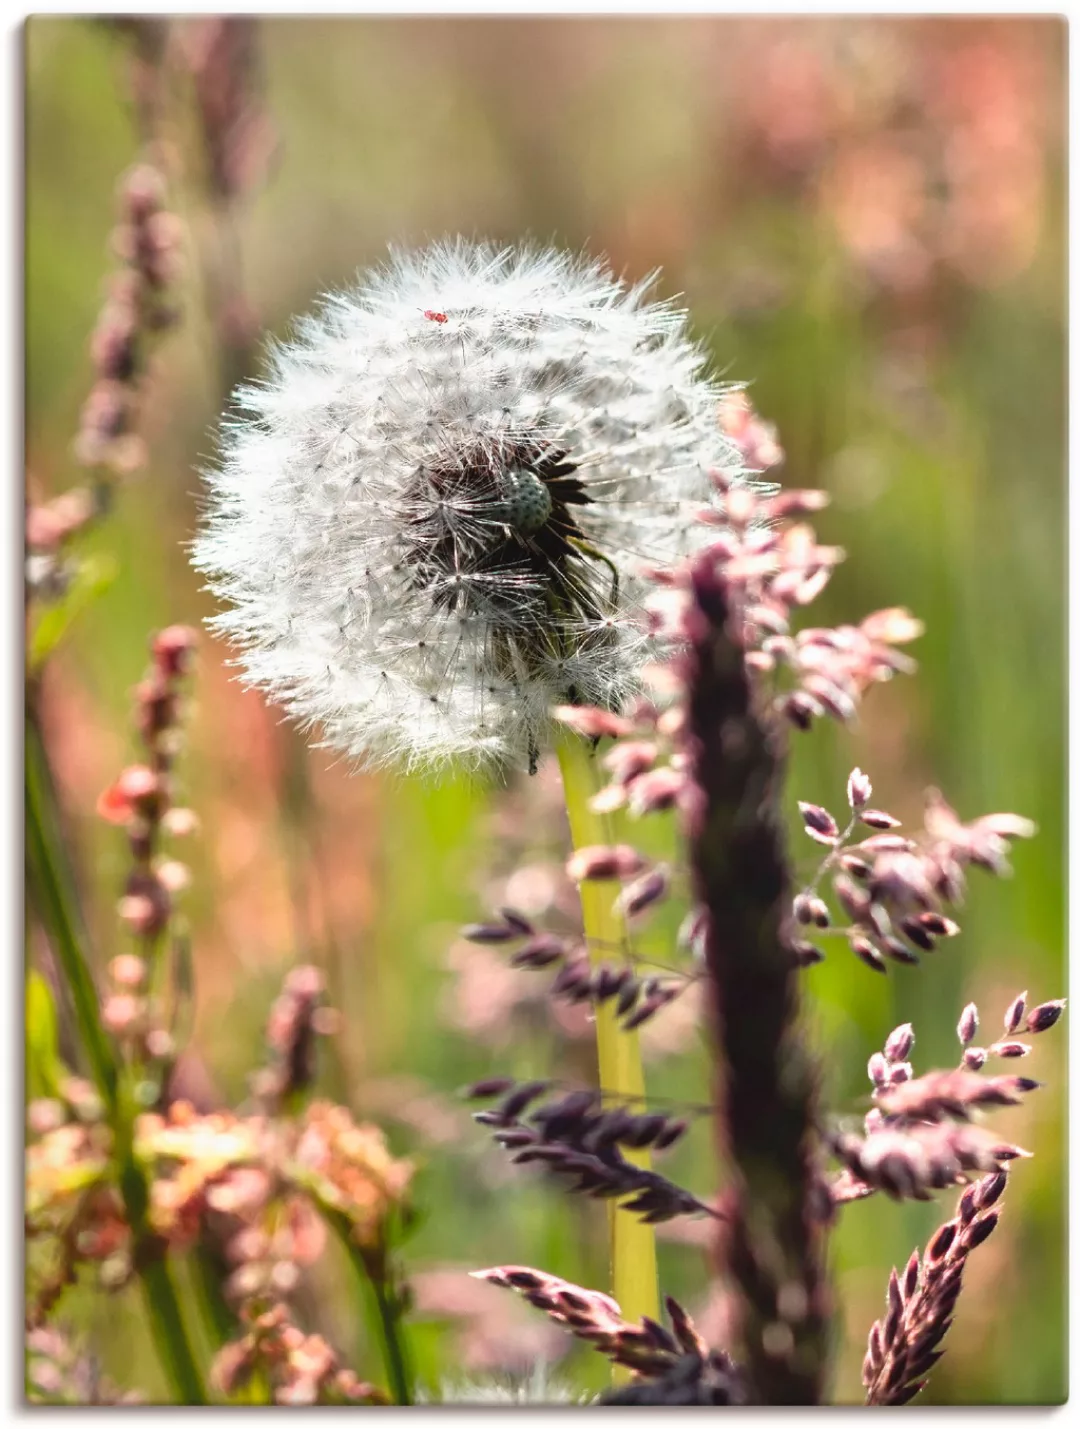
{"type": "Point", "coordinates": [386, 1317]}
{"type": "Point", "coordinates": [170, 1333]}
{"type": "Point", "coordinates": [50, 886]}
{"type": "Point", "coordinates": [633, 1244]}
{"type": "Point", "coordinates": [52, 891]}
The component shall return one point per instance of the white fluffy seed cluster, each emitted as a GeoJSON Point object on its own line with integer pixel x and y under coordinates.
{"type": "Point", "coordinates": [427, 519]}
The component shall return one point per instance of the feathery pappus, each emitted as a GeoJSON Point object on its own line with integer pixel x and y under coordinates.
{"type": "Point", "coordinates": [427, 518]}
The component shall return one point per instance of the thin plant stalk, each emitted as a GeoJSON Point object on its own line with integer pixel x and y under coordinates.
{"type": "Point", "coordinates": [386, 1320]}
{"type": "Point", "coordinates": [50, 888]}
{"type": "Point", "coordinates": [52, 891]}
{"type": "Point", "coordinates": [633, 1243]}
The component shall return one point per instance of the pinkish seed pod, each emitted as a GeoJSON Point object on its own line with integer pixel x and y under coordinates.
{"type": "Point", "coordinates": [878, 819]}
{"type": "Point", "coordinates": [819, 823]}
{"type": "Point", "coordinates": [488, 1087]}
{"type": "Point", "coordinates": [899, 1043]}
{"type": "Point", "coordinates": [937, 924]}
{"type": "Point", "coordinates": [1014, 1013]}
{"type": "Point", "coordinates": [864, 949]}
{"type": "Point", "coordinates": [644, 1012]}
{"type": "Point", "coordinates": [914, 930]}
{"type": "Point", "coordinates": [854, 900]}
{"type": "Point", "coordinates": [968, 1024]}
{"type": "Point", "coordinates": [650, 888]}
{"type": "Point", "coordinates": [974, 1058]}
{"type": "Point", "coordinates": [140, 786]}
{"type": "Point", "coordinates": [1007, 1152]}
{"type": "Point", "coordinates": [982, 1229]}
{"type": "Point", "coordinates": [1009, 1049]}
{"type": "Point", "coordinates": [819, 912]}
{"type": "Point", "coordinates": [1043, 1017]}
{"type": "Point", "coordinates": [604, 862]}
{"type": "Point", "coordinates": [489, 933]}
{"type": "Point", "coordinates": [831, 696]}
{"type": "Point", "coordinates": [856, 866]}
{"type": "Point", "coordinates": [172, 648]}
{"type": "Point", "coordinates": [658, 789]}
{"type": "Point", "coordinates": [899, 1072]}
{"type": "Point", "coordinates": [807, 954]}
{"type": "Point", "coordinates": [630, 758]}
{"type": "Point", "coordinates": [801, 909]}
{"type": "Point", "coordinates": [859, 789]}
{"type": "Point", "coordinates": [517, 920]}
{"type": "Point", "coordinates": [539, 952]}
{"type": "Point", "coordinates": [886, 843]}
{"type": "Point", "coordinates": [799, 709]}
{"type": "Point", "coordinates": [990, 1189]}
{"type": "Point", "coordinates": [591, 722]}
{"type": "Point", "coordinates": [969, 1204]}
{"type": "Point", "coordinates": [898, 951]}
{"type": "Point", "coordinates": [608, 799]}
{"type": "Point", "coordinates": [768, 617]}
{"type": "Point", "coordinates": [877, 1069]}
{"type": "Point", "coordinates": [779, 648]}
{"type": "Point", "coordinates": [911, 1275]}
{"type": "Point", "coordinates": [941, 1243]}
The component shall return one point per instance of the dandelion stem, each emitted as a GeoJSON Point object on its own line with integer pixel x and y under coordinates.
{"type": "Point", "coordinates": [633, 1244]}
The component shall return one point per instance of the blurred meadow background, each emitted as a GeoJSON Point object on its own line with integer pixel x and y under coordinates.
{"type": "Point", "coordinates": [866, 219]}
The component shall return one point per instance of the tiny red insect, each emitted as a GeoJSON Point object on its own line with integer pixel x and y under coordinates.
{"type": "Point", "coordinates": [435, 317]}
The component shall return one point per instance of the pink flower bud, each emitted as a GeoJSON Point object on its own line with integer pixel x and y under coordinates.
{"type": "Point", "coordinates": [172, 648]}
{"type": "Point", "coordinates": [819, 823]}
{"type": "Point", "coordinates": [1040, 1018]}
{"type": "Point", "coordinates": [592, 723]}
{"type": "Point", "coordinates": [878, 819]}
{"type": "Point", "coordinates": [968, 1024]}
{"type": "Point", "coordinates": [602, 862]}
{"type": "Point", "coordinates": [650, 888]}
{"type": "Point", "coordinates": [899, 1043]}
{"type": "Point", "coordinates": [859, 789]}
{"type": "Point", "coordinates": [877, 1069]}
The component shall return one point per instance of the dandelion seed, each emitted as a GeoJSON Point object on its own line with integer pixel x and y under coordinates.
{"type": "Point", "coordinates": [429, 519]}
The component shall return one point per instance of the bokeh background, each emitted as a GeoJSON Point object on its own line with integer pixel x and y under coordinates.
{"type": "Point", "coordinates": [865, 217]}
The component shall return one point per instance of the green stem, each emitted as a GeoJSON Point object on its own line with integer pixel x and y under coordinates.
{"type": "Point", "coordinates": [633, 1243]}
{"type": "Point", "coordinates": [392, 1344]}
{"type": "Point", "coordinates": [170, 1333]}
{"type": "Point", "coordinates": [52, 890]}
{"type": "Point", "coordinates": [210, 1271]}
{"type": "Point", "coordinates": [381, 1296]}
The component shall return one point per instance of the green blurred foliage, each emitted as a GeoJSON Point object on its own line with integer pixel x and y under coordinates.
{"type": "Point", "coordinates": [938, 429]}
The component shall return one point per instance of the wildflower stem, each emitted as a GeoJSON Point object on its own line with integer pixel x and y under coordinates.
{"type": "Point", "coordinates": [371, 1271]}
{"type": "Point", "coordinates": [170, 1334]}
{"type": "Point", "coordinates": [633, 1244]}
{"type": "Point", "coordinates": [52, 891]}
{"type": "Point", "coordinates": [394, 1353]}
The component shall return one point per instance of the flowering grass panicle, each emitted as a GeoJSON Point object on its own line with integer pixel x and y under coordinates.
{"type": "Point", "coordinates": [429, 518]}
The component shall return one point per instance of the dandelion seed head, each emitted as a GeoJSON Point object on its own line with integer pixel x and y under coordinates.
{"type": "Point", "coordinates": [428, 520]}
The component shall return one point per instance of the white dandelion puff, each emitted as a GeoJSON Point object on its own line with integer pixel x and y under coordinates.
{"type": "Point", "coordinates": [429, 519]}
